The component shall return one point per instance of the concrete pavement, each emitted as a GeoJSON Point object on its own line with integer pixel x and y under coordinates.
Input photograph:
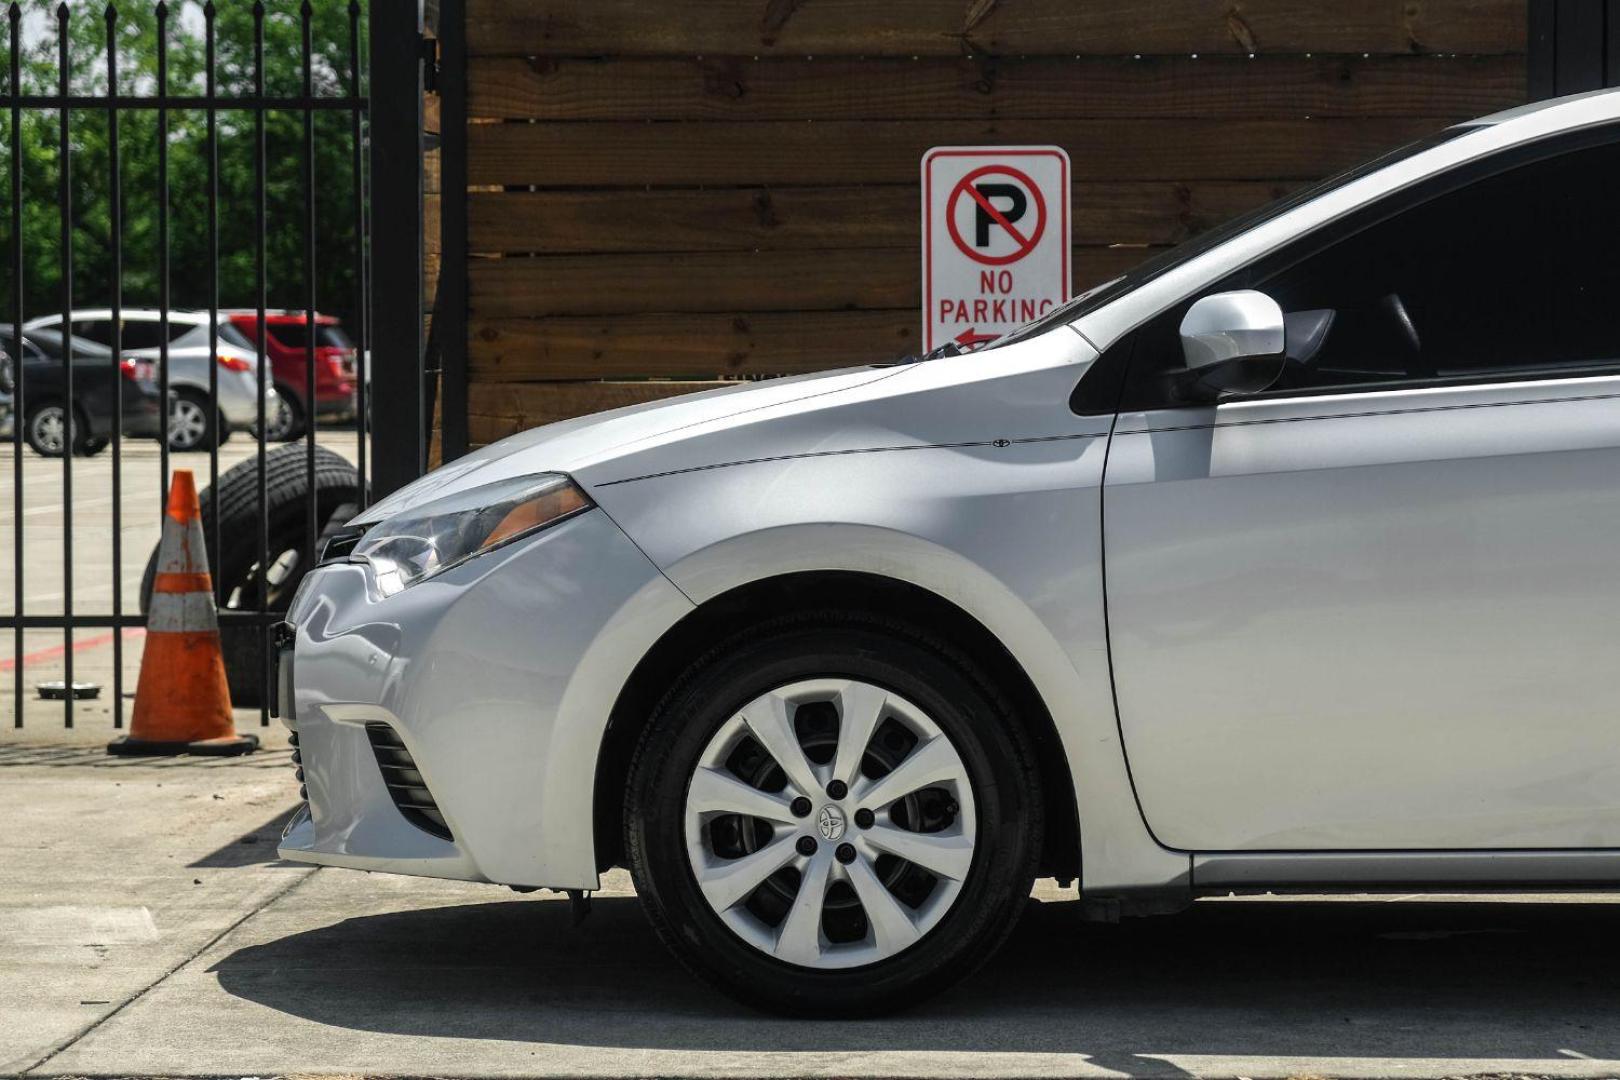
{"type": "Point", "coordinates": [139, 935]}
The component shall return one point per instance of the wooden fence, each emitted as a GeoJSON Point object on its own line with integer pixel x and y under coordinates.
{"type": "Point", "coordinates": [664, 193]}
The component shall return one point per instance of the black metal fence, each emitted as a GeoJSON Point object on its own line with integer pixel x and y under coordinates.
{"type": "Point", "coordinates": [248, 602]}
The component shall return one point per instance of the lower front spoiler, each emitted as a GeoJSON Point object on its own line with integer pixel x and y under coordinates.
{"type": "Point", "coordinates": [359, 825]}
{"type": "Point", "coordinates": [298, 845]}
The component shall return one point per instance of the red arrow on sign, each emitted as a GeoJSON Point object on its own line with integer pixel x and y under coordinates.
{"type": "Point", "coordinates": [971, 337]}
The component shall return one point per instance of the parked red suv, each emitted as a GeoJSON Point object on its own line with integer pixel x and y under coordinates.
{"type": "Point", "coordinates": [335, 374]}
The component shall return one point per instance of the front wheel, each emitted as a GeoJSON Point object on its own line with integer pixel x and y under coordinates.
{"type": "Point", "coordinates": [286, 420]}
{"type": "Point", "coordinates": [833, 816]}
{"type": "Point", "coordinates": [46, 431]}
{"type": "Point", "coordinates": [193, 422]}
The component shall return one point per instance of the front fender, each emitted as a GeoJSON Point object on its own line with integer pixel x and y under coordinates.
{"type": "Point", "coordinates": [1009, 534]}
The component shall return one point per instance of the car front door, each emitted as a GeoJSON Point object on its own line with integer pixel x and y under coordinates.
{"type": "Point", "coordinates": [1378, 606]}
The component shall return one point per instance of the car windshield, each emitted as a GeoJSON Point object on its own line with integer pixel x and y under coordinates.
{"type": "Point", "coordinates": [49, 342]}
{"type": "Point", "coordinates": [1159, 264]}
{"type": "Point", "coordinates": [230, 335]}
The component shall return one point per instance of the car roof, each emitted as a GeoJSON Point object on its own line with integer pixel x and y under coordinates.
{"type": "Point", "coordinates": [176, 315]}
{"type": "Point", "coordinates": [276, 315]}
{"type": "Point", "coordinates": [1577, 110]}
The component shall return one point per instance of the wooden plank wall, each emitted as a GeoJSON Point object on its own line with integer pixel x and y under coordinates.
{"type": "Point", "coordinates": [668, 192]}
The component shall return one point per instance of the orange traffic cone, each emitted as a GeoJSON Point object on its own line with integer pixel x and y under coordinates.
{"type": "Point", "coordinates": [182, 702]}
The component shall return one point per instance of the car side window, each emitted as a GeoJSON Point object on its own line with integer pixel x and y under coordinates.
{"type": "Point", "coordinates": [98, 330]}
{"type": "Point", "coordinates": [146, 333]}
{"type": "Point", "coordinates": [1509, 276]}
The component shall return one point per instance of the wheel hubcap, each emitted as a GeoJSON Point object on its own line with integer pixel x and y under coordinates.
{"type": "Point", "coordinates": [186, 423]}
{"type": "Point", "coordinates": [49, 430]}
{"type": "Point", "coordinates": [830, 823]}
{"type": "Point", "coordinates": [280, 422]}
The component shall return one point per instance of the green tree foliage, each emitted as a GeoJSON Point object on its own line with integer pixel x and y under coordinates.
{"type": "Point", "coordinates": [135, 32]}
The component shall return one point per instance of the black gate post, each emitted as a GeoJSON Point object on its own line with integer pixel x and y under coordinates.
{"type": "Point", "coordinates": [450, 311]}
{"type": "Point", "coordinates": [399, 419]}
{"type": "Point", "coordinates": [1574, 46]}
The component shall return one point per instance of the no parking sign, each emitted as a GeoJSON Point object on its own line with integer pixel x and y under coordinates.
{"type": "Point", "coordinates": [995, 239]}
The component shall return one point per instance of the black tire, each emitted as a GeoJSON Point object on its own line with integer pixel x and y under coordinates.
{"type": "Point", "coordinates": [84, 444]}
{"type": "Point", "coordinates": [295, 418]}
{"type": "Point", "coordinates": [337, 498]}
{"type": "Point", "coordinates": [945, 685]}
{"type": "Point", "coordinates": [213, 430]}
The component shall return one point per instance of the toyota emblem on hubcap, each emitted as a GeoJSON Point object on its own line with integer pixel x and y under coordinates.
{"type": "Point", "coordinates": [831, 822]}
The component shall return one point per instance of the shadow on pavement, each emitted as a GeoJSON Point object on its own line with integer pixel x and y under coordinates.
{"type": "Point", "coordinates": [1370, 979]}
{"type": "Point", "coordinates": [254, 848]}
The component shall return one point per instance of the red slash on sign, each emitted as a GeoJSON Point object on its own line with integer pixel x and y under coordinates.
{"type": "Point", "coordinates": [990, 214]}
{"type": "Point", "coordinates": [971, 337]}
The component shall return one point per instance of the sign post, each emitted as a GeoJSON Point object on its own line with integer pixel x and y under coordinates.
{"type": "Point", "coordinates": [995, 234]}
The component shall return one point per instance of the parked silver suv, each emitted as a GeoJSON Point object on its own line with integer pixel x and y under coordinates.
{"type": "Point", "coordinates": [193, 424]}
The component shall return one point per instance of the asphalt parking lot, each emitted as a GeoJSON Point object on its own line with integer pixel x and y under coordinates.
{"type": "Point", "coordinates": [44, 580]}
{"type": "Point", "coordinates": [203, 955]}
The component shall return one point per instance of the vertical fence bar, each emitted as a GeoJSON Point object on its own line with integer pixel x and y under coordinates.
{"type": "Point", "coordinates": [212, 152]}
{"type": "Point", "coordinates": [64, 195]}
{"type": "Point", "coordinates": [1611, 42]}
{"type": "Point", "coordinates": [398, 440]}
{"type": "Point", "coordinates": [1578, 39]}
{"type": "Point", "coordinates": [259, 286]}
{"type": "Point", "coordinates": [1541, 47]}
{"type": "Point", "coordinates": [311, 525]}
{"type": "Point", "coordinates": [361, 405]}
{"type": "Point", "coordinates": [115, 225]}
{"type": "Point", "coordinates": [74, 433]}
{"type": "Point", "coordinates": [163, 244]}
{"type": "Point", "coordinates": [14, 17]}
{"type": "Point", "coordinates": [450, 316]}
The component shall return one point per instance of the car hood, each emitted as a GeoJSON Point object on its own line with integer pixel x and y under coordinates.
{"type": "Point", "coordinates": [570, 445]}
{"type": "Point", "coordinates": [1020, 391]}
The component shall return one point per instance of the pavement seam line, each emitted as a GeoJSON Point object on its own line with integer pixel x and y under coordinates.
{"type": "Point", "coordinates": [73, 1040]}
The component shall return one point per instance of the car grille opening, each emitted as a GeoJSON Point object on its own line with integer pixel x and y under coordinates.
{"type": "Point", "coordinates": [298, 768]}
{"type": "Point", "coordinates": [405, 784]}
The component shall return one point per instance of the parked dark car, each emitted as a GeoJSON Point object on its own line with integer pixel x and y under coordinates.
{"type": "Point", "coordinates": [44, 417]}
{"type": "Point", "coordinates": [8, 383]}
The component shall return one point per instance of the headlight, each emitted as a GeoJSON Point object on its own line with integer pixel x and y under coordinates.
{"type": "Point", "coordinates": [447, 532]}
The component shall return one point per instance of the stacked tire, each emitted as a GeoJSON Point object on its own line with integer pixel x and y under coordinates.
{"type": "Point", "coordinates": [235, 561]}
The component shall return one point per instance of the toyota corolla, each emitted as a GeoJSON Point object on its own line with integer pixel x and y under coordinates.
{"type": "Point", "coordinates": [1286, 561]}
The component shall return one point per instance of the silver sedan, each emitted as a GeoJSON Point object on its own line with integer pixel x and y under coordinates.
{"type": "Point", "coordinates": [1285, 561]}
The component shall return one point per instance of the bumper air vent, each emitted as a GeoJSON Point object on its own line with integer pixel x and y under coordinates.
{"type": "Point", "coordinates": [405, 784]}
{"type": "Point", "coordinates": [298, 764]}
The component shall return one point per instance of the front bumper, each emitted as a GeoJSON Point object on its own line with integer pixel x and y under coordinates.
{"type": "Point", "coordinates": [335, 403]}
{"type": "Point", "coordinates": [496, 678]}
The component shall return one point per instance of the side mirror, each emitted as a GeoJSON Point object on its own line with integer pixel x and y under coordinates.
{"type": "Point", "coordinates": [1233, 342]}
